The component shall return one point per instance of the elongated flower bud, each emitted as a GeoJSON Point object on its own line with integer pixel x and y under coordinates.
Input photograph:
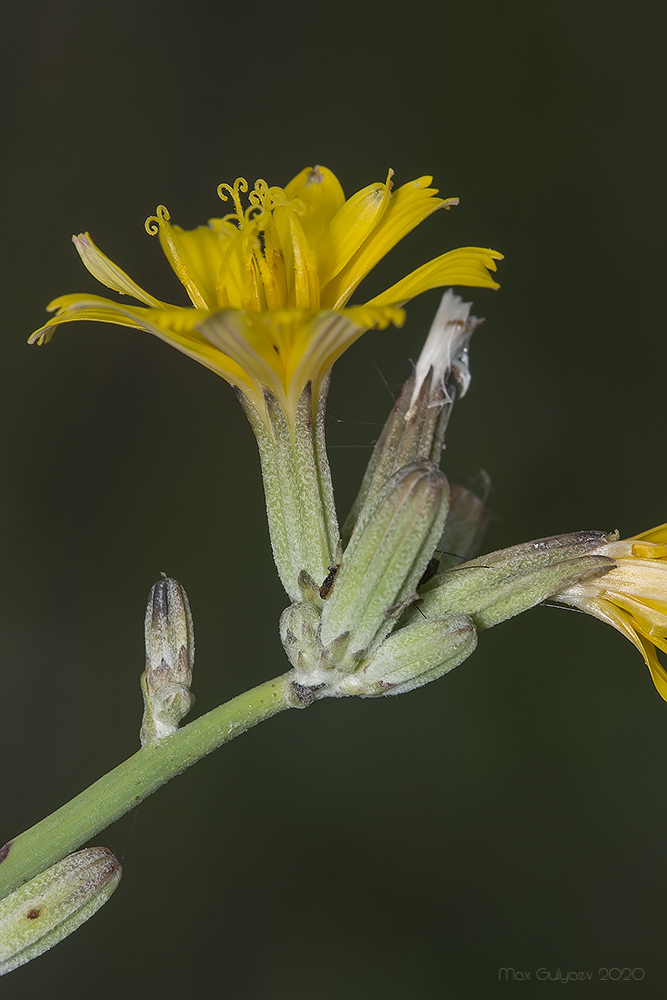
{"type": "Point", "coordinates": [415, 428]}
{"type": "Point", "coordinates": [465, 528]}
{"type": "Point", "coordinates": [413, 656]}
{"type": "Point", "coordinates": [50, 906]}
{"type": "Point", "coordinates": [391, 544]}
{"type": "Point", "coordinates": [170, 653]}
{"type": "Point", "coordinates": [497, 586]}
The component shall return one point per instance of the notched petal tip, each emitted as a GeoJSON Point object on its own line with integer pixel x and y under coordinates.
{"type": "Point", "coordinates": [41, 336]}
{"type": "Point", "coordinates": [44, 334]}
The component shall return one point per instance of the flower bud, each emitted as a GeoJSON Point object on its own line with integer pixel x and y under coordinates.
{"type": "Point", "coordinates": [465, 527]}
{"type": "Point", "coordinates": [497, 586]}
{"type": "Point", "coordinates": [381, 567]}
{"type": "Point", "coordinates": [170, 652]}
{"type": "Point", "coordinates": [413, 656]}
{"type": "Point", "coordinates": [299, 626]}
{"type": "Point", "coordinates": [415, 428]}
{"type": "Point", "coordinates": [50, 906]}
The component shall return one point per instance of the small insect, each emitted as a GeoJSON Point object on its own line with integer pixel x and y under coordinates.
{"type": "Point", "coordinates": [432, 567]}
{"type": "Point", "coordinates": [327, 586]}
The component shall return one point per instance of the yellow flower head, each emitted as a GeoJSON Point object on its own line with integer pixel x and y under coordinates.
{"type": "Point", "coordinates": [632, 596]}
{"type": "Point", "coordinates": [269, 282]}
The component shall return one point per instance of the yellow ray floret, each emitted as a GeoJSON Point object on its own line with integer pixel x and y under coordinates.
{"type": "Point", "coordinates": [632, 596]}
{"type": "Point", "coordinates": [269, 282]}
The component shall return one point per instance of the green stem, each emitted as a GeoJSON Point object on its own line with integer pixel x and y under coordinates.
{"type": "Point", "coordinates": [131, 782]}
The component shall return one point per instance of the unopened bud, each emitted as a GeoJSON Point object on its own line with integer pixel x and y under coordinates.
{"type": "Point", "coordinates": [170, 652]}
{"type": "Point", "coordinates": [299, 625]}
{"type": "Point", "coordinates": [465, 527]}
{"type": "Point", "coordinates": [381, 567]}
{"type": "Point", "coordinates": [497, 586]}
{"type": "Point", "coordinates": [415, 428]}
{"type": "Point", "coordinates": [413, 656]}
{"type": "Point", "coordinates": [39, 914]}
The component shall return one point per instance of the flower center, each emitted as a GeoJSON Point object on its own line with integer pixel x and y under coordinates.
{"type": "Point", "coordinates": [266, 249]}
{"type": "Point", "coordinates": [256, 257]}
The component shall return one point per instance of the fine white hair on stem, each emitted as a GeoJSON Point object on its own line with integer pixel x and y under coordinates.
{"type": "Point", "coordinates": [445, 350]}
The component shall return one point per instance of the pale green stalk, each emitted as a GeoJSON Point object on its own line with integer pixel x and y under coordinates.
{"type": "Point", "coordinates": [109, 798]}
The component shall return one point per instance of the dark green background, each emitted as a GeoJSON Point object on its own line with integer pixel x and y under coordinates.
{"type": "Point", "coordinates": [512, 814]}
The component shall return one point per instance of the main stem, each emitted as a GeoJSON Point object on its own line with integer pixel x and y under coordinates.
{"type": "Point", "coordinates": [109, 798]}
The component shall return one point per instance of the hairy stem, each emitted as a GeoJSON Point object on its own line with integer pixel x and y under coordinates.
{"type": "Point", "coordinates": [135, 779]}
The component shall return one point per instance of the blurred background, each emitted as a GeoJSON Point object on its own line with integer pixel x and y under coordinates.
{"type": "Point", "coordinates": [509, 815]}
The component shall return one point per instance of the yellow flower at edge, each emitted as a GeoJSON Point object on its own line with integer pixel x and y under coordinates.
{"type": "Point", "coordinates": [632, 596]}
{"type": "Point", "coordinates": [269, 283]}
